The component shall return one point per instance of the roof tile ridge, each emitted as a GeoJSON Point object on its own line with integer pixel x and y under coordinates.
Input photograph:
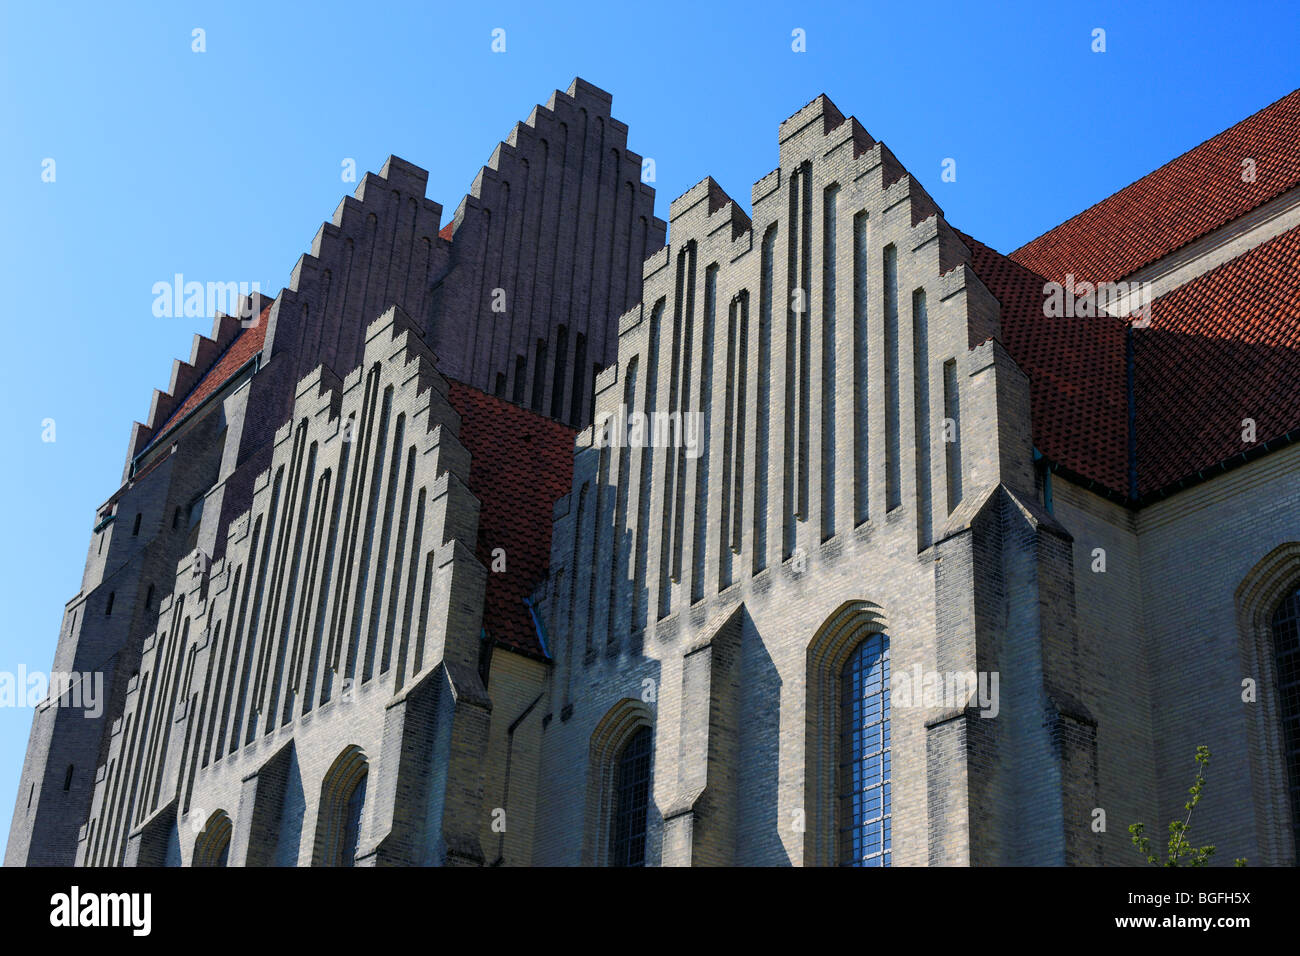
{"type": "Point", "coordinates": [1144, 176]}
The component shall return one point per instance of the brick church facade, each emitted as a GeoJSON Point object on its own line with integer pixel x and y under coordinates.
{"type": "Point", "coordinates": [822, 534]}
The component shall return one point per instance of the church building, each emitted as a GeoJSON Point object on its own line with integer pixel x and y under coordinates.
{"type": "Point", "coordinates": [803, 530]}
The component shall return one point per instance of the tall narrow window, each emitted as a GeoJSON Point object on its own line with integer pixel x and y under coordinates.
{"type": "Point", "coordinates": [952, 433]}
{"type": "Point", "coordinates": [631, 801]}
{"type": "Point", "coordinates": [733, 435]}
{"type": "Point", "coordinates": [135, 529]}
{"type": "Point", "coordinates": [674, 488]}
{"type": "Point", "coordinates": [827, 397]}
{"type": "Point", "coordinates": [921, 408]}
{"type": "Point", "coordinates": [794, 298]}
{"type": "Point", "coordinates": [539, 373]}
{"type": "Point", "coordinates": [861, 423]}
{"type": "Point", "coordinates": [893, 455]}
{"type": "Point", "coordinates": [741, 411]}
{"type": "Point", "coordinates": [764, 402]}
{"type": "Point", "coordinates": [640, 584]}
{"type": "Point", "coordinates": [684, 408]}
{"type": "Point", "coordinates": [622, 538]}
{"type": "Point", "coordinates": [557, 383]}
{"type": "Point", "coordinates": [521, 373]}
{"type": "Point", "coordinates": [1286, 648]}
{"type": "Point", "coordinates": [805, 336]}
{"type": "Point", "coordinates": [108, 608]}
{"type": "Point", "coordinates": [579, 379]}
{"type": "Point", "coordinates": [703, 436]}
{"type": "Point", "coordinates": [601, 545]}
{"type": "Point", "coordinates": [579, 539]}
{"type": "Point", "coordinates": [864, 802]}
{"type": "Point", "coordinates": [67, 779]}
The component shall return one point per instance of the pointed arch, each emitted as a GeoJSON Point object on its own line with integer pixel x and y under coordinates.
{"type": "Point", "coordinates": [829, 651]}
{"type": "Point", "coordinates": [614, 733]}
{"type": "Point", "coordinates": [1261, 601]}
{"type": "Point", "coordinates": [212, 845]}
{"type": "Point", "coordinates": [342, 806]}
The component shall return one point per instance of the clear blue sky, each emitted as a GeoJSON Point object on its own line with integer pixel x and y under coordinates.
{"type": "Point", "coordinates": [221, 165]}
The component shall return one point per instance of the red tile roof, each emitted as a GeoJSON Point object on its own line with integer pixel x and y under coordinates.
{"type": "Point", "coordinates": [1222, 348]}
{"type": "Point", "coordinates": [241, 348]}
{"type": "Point", "coordinates": [445, 231]}
{"type": "Point", "coordinates": [1076, 369]}
{"type": "Point", "coordinates": [521, 464]}
{"type": "Point", "coordinates": [1178, 203]}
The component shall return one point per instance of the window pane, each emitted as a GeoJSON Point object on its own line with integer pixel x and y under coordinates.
{"type": "Point", "coordinates": [864, 757]}
{"type": "Point", "coordinates": [631, 802]}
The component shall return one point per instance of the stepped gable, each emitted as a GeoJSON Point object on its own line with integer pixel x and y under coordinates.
{"type": "Point", "coordinates": [521, 463]}
{"type": "Point", "coordinates": [1076, 369]}
{"type": "Point", "coordinates": [834, 131]}
{"type": "Point", "coordinates": [380, 248]}
{"type": "Point", "coordinates": [238, 353]}
{"type": "Point", "coordinates": [205, 352]}
{"type": "Point", "coordinates": [1222, 348]}
{"type": "Point", "coordinates": [821, 108]}
{"type": "Point", "coordinates": [1181, 201]}
{"type": "Point", "coordinates": [707, 190]}
{"type": "Point", "coordinates": [559, 219]}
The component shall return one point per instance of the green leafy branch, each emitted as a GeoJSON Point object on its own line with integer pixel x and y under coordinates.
{"type": "Point", "coordinates": [1180, 851]}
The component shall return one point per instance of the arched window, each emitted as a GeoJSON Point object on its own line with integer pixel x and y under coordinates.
{"type": "Point", "coordinates": [847, 743]}
{"type": "Point", "coordinates": [342, 803]}
{"type": "Point", "coordinates": [1267, 612]}
{"type": "Point", "coordinates": [863, 816]}
{"type": "Point", "coordinates": [621, 825]}
{"type": "Point", "coordinates": [212, 846]}
{"type": "Point", "coordinates": [1286, 650]}
{"type": "Point", "coordinates": [631, 801]}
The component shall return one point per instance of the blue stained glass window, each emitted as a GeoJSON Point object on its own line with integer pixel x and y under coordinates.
{"type": "Point", "coordinates": [864, 804]}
